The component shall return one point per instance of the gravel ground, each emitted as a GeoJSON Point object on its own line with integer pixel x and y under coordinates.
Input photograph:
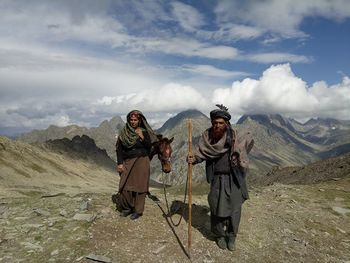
{"type": "Point", "coordinates": [280, 223]}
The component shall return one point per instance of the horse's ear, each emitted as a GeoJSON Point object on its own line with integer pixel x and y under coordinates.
{"type": "Point", "coordinates": [171, 140]}
{"type": "Point", "coordinates": [159, 136]}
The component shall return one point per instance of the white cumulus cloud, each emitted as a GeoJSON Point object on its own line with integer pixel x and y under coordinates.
{"type": "Point", "coordinates": [169, 98]}
{"type": "Point", "coordinates": [279, 90]}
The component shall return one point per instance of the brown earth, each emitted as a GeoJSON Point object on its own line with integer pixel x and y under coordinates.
{"type": "Point", "coordinates": [320, 171]}
{"type": "Point", "coordinates": [280, 223]}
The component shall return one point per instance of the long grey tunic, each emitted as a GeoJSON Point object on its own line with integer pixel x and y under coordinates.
{"type": "Point", "coordinates": [225, 194]}
{"type": "Point", "coordinates": [228, 188]}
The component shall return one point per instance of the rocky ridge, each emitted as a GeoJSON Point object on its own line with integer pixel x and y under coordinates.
{"type": "Point", "coordinates": [333, 168]}
{"type": "Point", "coordinates": [104, 135]}
{"type": "Point", "coordinates": [82, 147]}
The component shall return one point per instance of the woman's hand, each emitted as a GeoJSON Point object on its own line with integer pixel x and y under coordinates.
{"type": "Point", "coordinates": [120, 168]}
{"type": "Point", "coordinates": [139, 133]}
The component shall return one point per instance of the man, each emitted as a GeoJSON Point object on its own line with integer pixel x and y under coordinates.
{"type": "Point", "coordinates": [225, 171]}
{"type": "Point", "coordinates": [133, 149]}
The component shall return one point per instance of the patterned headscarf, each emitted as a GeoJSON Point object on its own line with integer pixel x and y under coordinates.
{"type": "Point", "coordinates": [128, 136]}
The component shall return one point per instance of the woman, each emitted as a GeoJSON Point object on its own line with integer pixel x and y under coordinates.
{"type": "Point", "coordinates": [133, 148]}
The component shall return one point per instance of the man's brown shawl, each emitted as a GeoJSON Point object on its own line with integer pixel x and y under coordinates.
{"type": "Point", "coordinates": [240, 147]}
{"type": "Point", "coordinates": [208, 151]}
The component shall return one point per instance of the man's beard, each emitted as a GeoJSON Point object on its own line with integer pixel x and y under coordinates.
{"type": "Point", "coordinates": [218, 132]}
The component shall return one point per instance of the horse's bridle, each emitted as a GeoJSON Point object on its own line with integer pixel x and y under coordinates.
{"type": "Point", "coordinates": [163, 159]}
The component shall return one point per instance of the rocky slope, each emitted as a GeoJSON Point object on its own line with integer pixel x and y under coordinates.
{"type": "Point", "coordinates": [329, 132]}
{"type": "Point", "coordinates": [27, 168]}
{"type": "Point", "coordinates": [82, 147]}
{"type": "Point", "coordinates": [177, 127]}
{"type": "Point", "coordinates": [284, 142]}
{"type": "Point", "coordinates": [103, 135]}
{"type": "Point", "coordinates": [53, 209]}
{"type": "Point", "coordinates": [329, 169]}
{"type": "Point", "coordinates": [275, 143]}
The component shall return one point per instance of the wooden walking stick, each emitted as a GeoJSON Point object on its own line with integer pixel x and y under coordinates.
{"type": "Point", "coordinates": [189, 176]}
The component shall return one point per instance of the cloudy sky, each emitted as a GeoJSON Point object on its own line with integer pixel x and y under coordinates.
{"type": "Point", "coordinates": [84, 61]}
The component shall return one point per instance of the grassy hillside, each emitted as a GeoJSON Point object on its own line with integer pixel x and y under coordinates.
{"type": "Point", "coordinates": [26, 168]}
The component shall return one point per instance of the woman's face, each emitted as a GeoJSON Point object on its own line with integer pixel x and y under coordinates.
{"type": "Point", "coordinates": [134, 122]}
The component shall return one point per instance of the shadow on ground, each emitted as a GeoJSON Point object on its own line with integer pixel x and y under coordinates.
{"type": "Point", "coordinates": [200, 218]}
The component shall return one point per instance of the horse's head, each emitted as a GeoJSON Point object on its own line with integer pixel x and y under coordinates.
{"type": "Point", "coordinates": [163, 149]}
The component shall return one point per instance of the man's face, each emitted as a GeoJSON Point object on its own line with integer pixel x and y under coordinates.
{"type": "Point", "coordinates": [134, 122]}
{"type": "Point", "coordinates": [219, 127]}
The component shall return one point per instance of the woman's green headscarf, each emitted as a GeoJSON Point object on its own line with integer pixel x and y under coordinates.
{"type": "Point", "coordinates": [128, 136]}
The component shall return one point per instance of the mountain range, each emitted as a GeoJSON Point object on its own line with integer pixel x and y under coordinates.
{"type": "Point", "coordinates": [279, 141]}
{"type": "Point", "coordinates": [104, 135]}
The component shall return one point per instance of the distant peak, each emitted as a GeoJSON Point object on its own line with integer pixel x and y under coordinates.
{"type": "Point", "coordinates": [189, 113]}
{"type": "Point", "coordinates": [172, 122]}
{"type": "Point", "coordinates": [324, 121]}
{"type": "Point", "coordinates": [261, 118]}
{"type": "Point", "coordinates": [116, 119]}
{"type": "Point", "coordinates": [265, 119]}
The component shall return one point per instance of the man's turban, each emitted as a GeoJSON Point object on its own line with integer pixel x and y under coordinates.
{"type": "Point", "coordinates": [222, 112]}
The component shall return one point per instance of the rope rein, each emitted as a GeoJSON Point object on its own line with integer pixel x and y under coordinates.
{"type": "Point", "coordinates": [167, 203]}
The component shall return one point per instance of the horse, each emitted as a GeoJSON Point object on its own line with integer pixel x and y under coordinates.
{"type": "Point", "coordinates": [163, 149]}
